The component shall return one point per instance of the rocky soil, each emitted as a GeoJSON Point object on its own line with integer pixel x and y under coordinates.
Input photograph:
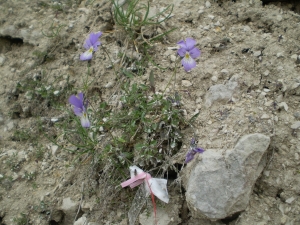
{"type": "Point", "coordinates": [247, 81]}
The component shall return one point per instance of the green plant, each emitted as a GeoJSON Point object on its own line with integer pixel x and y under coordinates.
{"type": "Point", "coordinates": [43, 56]}
{"type": "Point", "coordinates": [13, 162]}
{"type": "Point", "coordinates": [22, 220]}
{"type": "Point", "coordinates": [133, 19]}
{"type": "Point", "coordinates": [30, 175]}
{"type": "Point", "coordinates": [39, 89]}
{"type": "Point", "coordinates": [39, 154]}
{"type": "Point", "coordinates": [144, 131]}
{"type": "Point", "coordinates": [133, 15]}
{"type": "Point", "coordinates": [54, 30]}
{"type": "Point", "coordinates": [22, 135]}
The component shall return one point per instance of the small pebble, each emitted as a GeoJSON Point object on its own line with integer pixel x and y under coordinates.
{"type": "Point", "coordinates": [173, 58]}
{"type": "Point", "coordinates": [265, 116]}
{"type": "Point", "coordinates": [186, 83]}
{"type": "Point", "coordinates": [283, 105]}
{"type": "Point", "coordinates": [279, 17]}
{"type": "Point", "coordinates": [295, 56]}
{"type": "Point", "coordinates": [109, 84]}
{"type": "Point", "coordinates": [266, 73]}
{"type": "Point", "coordinates": [207, 4]}
{"type": "Point", "coordinates": [224, 71]}
{"type": "Point", "coordinates": [56, 92]}
{"type": "Point", "coordinates": [279, 55]}
{"type": "Point", "coordinates": [296, 125]}
{"type": "Point", "coordinates": [283, 220]}
{"type": "Point", "coordinates": [297, 115]}
{"type": "Point", "coordinates": [290, 200]}
{"type": "Point", "coordinates": [214, 78]}
{"type": "Point", "coordinates": [2, 59]}
{"type": "Point", "coordinates": [211, 17]}
{"type": "Point", "coordinates": [257, 53]}
{"type": "Point", "coordinates": [206, 27]}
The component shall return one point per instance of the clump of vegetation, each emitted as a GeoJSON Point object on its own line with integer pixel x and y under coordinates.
{"type": "Point", "coordinates": [23, 219]}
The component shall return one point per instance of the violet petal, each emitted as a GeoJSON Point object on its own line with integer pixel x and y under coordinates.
{"type": "Point", "coordinates": [181, 52]}
{"type": "Point", "coordinates": [73, 100]}
{"type": "Point", "coordinates": [188, 63]}
{"type": "Point", "coordinates": [190, 43]}
{"type": "Point", "coordinates": [182, 44]}
{"type": "Point", "coordinates": [194, 52]}
{"type": "Point", "coordinates": [87, 55]}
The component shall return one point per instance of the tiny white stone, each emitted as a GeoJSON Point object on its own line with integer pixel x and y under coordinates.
{"type": "Point", "coordinates": [54, 149]}
{"type": "Point", "coordinates": [109, 85]}
{"type": "Point", "coordinates": [290, 200]}
{"type": "Point", "coordinates": [224, 71]}
{"type": "Point", "coordinates": [295, 56]}
{"type": "Point", "coordinates": [268, 103]}
{"type": "Point", "coordinates": [206, 27]}
{"type": "Point", "coordinates": [279, 17]}
{"type": "Point", "coordinates": [173, 58]}
{"type": "Point", "coordinates": [267, 173]}
{"type": "Point", "coordinates": [211, 17]}
{"type": "Point", "coordinates": [214, 78]}
{"type": "Point", "coordinates": [267, 72]}
{"type": "Point", "coordinates": [186, 83]}
{"type": "Point", "coordinates": [279, 55]}
{"type": "Point", "coordinates": [207, 4]}
{"type": "Point", "coordinates": [283, 105]}
{"type": "Point", "coordinates": [201, 11]}
{"type": "Point", "coordinates": [56, 92]}
{"type": "Point", "coordinates": [2, 59]}
{"type": "Point", "coordinates": [265, 116]}
{"type": "Point", "coordinates": [173, 48]}
{"type": "Point", "coordinates": [257, 53]}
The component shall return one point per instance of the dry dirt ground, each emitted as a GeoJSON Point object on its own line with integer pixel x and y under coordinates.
{"type": "Point", "coordinates": [40, 43]}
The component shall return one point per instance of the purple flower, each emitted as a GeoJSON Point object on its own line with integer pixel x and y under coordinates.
{"type": "Point", "coordinates": [79, 108]}
{"type": "Point", "coordinates": [189, 52]}
{"type": "Point", "coordinates": [193, 150]}
{"type": "Point", "coordinates": [91, 44]}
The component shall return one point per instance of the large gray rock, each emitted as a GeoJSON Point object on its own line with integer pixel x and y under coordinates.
{"type": "Point", "coordinates": [220, 185]}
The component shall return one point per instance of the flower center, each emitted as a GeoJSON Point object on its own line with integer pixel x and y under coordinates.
{"type": "Point", "coordinates": [91, 49]}
{"type": "Point", "coordinates": [187, 55]}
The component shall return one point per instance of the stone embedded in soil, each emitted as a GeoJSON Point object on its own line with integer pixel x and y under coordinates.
{"type": "Point", "coordinates": [207, 4]}
{"type": "Point", "coordinates": [2, 59]}
{"type": "Point", "coordinates": [257, 53]}
{"type": "Point", "coordinates": [186, 83]}
{"type": "Point", "coordinates": [80, 221]}
{"type": "Point", "coordinates": [295, 125]}
{"type": "Point", "coordinates": [173, 58]}
{"type": "Point", "coordinates": [290, 200]}
{"type": "Point", "coordinates": [221, 92]}
{"type": "Point", "coordinates": [221, 184]}
{"type": "Point", "coordinates": [283, 105]}
{"type": "Point", "coordinates": [69, 208]}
